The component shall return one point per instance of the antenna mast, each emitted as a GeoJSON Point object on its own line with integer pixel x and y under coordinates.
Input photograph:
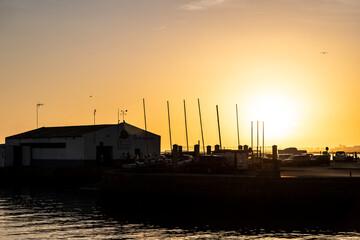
{"type": "Point", "coordinates": [169, 125]}
{"type": "Point", "coordinates": [37, 113]}
{"type": "Point", "coordinates": [146, 137]}
{"type": "Point", "coordinates": [237, 123]}
{"type": "Point", "coordinates": [263, 140]}
{"type": "Point", "coordinates": [252, 145]}
{"type": "Point", "coordinates": [144, 113]}
{"type": "Point", "coordinates": [202, 134]}
{"type": "Point", "coordinates": [218, 120]}
{"type": "Point", "coordinates": [123, 113]}
{"type": "Point", "coordinates": [257, 141]}
{"type": "Point", "coordinates": [186, 131]}
{"type": "Point", "coordinates": [94, 116]}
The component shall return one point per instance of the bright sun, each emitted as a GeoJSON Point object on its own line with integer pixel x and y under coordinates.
{"type": "Point", "coordinates": [278, 112]}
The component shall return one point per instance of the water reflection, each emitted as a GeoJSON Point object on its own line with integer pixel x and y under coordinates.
{"type": "Point", "coordinates": [74, 214]}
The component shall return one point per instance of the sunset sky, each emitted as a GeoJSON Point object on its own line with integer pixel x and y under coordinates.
{"type": "Point", "coordinates": [264, 55]}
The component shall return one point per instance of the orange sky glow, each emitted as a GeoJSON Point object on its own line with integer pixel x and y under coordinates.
{"type": "Point", "coordinates": [264, 55]}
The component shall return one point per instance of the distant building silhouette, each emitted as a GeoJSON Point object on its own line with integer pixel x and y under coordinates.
{"type": "Point", "coordinates": [292, 151]}
{"type": "Point", "coordinates": [345, 148]}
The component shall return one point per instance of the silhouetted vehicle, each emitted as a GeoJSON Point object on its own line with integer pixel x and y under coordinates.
{"type": "Point", "coordinates": [317, 160]}
{"type": "Point", "coordinates": [297, 161]}
{"type": "Point", "coordinates": [208, 164]}
{"type": "Point", "coordinates": [341, 156]}
{"type": "Point", "coordinates": [167, 159]}
{"type": "Point", "coordinates": [283, 156]}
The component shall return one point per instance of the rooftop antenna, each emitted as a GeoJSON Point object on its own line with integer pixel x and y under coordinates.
{"type": "Point", "coordinates": [218, 120]}
{"type": "Point", "coordinates": [123, 113]}
{"type": "Point", "coordinates": [92, 99]}
{"type": "Point", "coordinates": [94, 126]}
{"type": "Point", "coordinates": [202, 134]}
{"type": "Point", "coordinates": [94, 116]}
{"type": "Point", "coordinates": [169, 125]}
{"type": "Point", "coordinates": [37, 113]}
{"type": "Point", "coordinates": [237, 123]}
{"type": "Point", "coordinates": [186, 131]}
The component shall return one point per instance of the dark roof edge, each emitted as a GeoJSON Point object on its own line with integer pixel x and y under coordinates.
{"type": "Point", "coordinates": [98, 127]}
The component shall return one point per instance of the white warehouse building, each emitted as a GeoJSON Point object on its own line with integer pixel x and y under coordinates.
{"type": "Point", "coordinates": [77, 146]}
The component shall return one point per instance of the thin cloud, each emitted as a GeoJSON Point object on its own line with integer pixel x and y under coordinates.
{"type": "Point", "coordinates": [202, 4]}
{"type": "Point", "coordinates": [160, 28]}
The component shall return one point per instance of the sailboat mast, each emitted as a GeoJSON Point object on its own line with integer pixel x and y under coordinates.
{"type": "Point", "coordinates": [218, 120]}
{"type": "Point", "coordinates": [202, 133]}
{"type": "Point", "coordinates": [169, 125]}
{"type": "Point", "coordinates": [186, 131]}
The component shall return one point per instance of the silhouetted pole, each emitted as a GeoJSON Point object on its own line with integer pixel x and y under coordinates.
{"type": "Point", "coordinates": [202, 134]}
{"type": "Point", "coordinates": [257, 141]}
{"type": "Point", "coordinates": [274, 152]}
{"type": "Point", "coordinates": [263, 140]}
{"type": "Point", "coordinates": [94, 116]}
{"type": "Point", "coordinates": [252, 145]}
{"type": "Point", "coordinates": [118, 116]}
{"type": "Point", "coordinates": [146, 137]}
{"type": "Point", "coordinates": [169, 125]}
{"type": "Point", "coordinates": [186, 131]}
{"type": "Point", "coordinates": [175, 156]}
{"type": "Point", "coordinates": [94, 126]}
{"type": "Point", "coordinates": [237, 123]}
{"type": "Point", "coordinates": [275, 161]}
{"type": "Point", "coordinates": [208, 150]}
{"type": "Point", "coordinates": [144, 113]}
{"type": "Point", "coordinates": [197, 150]}
{"type": "Point", "coordinates": [218, 120]}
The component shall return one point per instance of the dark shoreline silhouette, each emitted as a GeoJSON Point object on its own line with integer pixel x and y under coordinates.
{"type": "Point", "coordinates": [208, 201]}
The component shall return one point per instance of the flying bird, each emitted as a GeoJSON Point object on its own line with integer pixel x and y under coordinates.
{"type": "Point", "coordinates": [324, 53]}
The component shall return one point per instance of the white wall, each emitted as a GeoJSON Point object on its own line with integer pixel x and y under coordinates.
{"type": "Point", "coordinates": [110, 136]}
{"type": "Point", "coordinates": [74, 150]}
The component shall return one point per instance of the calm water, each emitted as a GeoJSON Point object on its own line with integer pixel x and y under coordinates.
{"type": "Point", "coordinates": [70, 214]}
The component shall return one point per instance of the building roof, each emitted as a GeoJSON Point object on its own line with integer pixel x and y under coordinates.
{"type": "Point", "coordinates": [72, 131]}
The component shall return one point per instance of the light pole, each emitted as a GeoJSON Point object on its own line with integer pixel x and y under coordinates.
{"type": "Point", "coordinates": [94, 116]}
{"type": "Point", "coordinates": [37, 113]}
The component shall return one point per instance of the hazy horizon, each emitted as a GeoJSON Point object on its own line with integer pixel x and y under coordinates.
{"type": "Point", "coordinates": [265, 56]}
